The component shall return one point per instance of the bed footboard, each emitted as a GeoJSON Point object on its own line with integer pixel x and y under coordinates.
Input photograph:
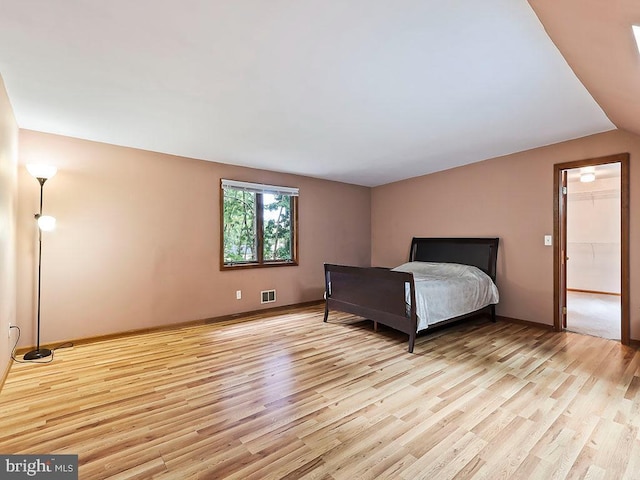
{"type": "Point", "coordinates": [377, 294]}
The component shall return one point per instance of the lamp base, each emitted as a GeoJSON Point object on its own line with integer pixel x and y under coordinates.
{"type": "Point", "coordinates": [36, 354]}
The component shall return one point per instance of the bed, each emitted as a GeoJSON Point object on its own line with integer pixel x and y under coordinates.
{"type": "Point", "coordinates": [395, 297]}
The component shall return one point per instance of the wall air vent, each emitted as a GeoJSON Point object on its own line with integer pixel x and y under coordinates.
{"type": "Point", "coordinates": [268, 296]}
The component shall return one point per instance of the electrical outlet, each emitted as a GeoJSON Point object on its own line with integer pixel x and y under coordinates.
{"type": "Point", "coordinates": [238, 294]}
{"type": "Point", "coordinates": [10, 329]}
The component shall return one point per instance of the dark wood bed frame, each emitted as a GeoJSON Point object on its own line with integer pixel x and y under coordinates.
{"type": "Point", "coordinates": [378, 294]}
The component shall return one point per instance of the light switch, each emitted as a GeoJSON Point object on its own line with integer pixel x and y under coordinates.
{"type": "Point", "coordinates": [548, 240]}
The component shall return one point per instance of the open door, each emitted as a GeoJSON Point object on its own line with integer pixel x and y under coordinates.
{"type": "Point", "coordinates": [562, 240]}
{"type": "Point", "coordinates": [560, 248]}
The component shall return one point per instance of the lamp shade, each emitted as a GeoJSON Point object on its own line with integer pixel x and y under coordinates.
{"type": "Point", "coordinates": [41, 171]}
{"type": "Point", "coordinates": [46, 223]}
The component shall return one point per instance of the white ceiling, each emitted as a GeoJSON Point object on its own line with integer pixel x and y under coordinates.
{"type": "Point", "coordinates": [360, 91]}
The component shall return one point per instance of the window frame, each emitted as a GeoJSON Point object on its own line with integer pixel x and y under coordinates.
{"type": "Point", "coordinates": [260, 190]}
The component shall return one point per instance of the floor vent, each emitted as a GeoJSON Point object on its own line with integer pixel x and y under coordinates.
{"type": "Point", "coordinates": [268, 296]}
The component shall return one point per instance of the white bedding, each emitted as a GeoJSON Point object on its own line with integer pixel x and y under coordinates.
{"type": "Point", "coordinates": [447, 290]}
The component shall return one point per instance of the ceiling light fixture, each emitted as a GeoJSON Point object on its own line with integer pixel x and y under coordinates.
{"type": "Point", "coordinates": [587, 174]}
{"type": "Point", "coordinates": [587, 177]}
{"type": "Point", "coordinates": [636, 33]}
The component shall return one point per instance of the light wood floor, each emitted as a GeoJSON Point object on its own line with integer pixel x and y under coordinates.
{"type": "Point", "coordinates": [291, 397]}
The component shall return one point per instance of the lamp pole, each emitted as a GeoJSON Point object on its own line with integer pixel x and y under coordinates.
{"type": "Point", "coordinates": [39, 352]}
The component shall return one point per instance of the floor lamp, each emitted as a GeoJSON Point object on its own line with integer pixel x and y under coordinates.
{"type": "Point", "coordinates": [45, 222]}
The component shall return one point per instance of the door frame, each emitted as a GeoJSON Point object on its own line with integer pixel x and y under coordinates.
{"type": "Point", "coordinates": [559, 206]}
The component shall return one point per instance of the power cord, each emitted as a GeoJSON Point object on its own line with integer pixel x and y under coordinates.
{"type": "Point", "coordinates": [49, 360]}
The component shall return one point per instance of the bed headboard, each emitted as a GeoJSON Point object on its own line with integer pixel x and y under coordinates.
{"type": "Point", "coordinates": [479, 252]}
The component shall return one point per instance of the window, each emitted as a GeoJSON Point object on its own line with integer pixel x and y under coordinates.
{"type": "Point", "coordinates": [259, 225]}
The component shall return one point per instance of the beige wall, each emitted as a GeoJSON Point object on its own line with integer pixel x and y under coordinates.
{"type": "Point", "coordinates": [137, 241]}
{"type": "Point", "coordinates": [509, 197]}
{"type": "Point", "coordinates": [8, 205]}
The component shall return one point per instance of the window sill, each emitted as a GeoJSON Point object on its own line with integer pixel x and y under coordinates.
{"type": "Point", "coordinates": [241, 266]}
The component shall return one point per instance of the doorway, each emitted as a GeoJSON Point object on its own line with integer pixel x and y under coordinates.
{"type": "Point", "coordinates": [588, 288]}
{"type": "Point", "coordinates": [593, 251]}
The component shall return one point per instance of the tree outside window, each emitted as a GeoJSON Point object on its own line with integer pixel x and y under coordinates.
{"type": "Point", "coordinates": [258, 225]}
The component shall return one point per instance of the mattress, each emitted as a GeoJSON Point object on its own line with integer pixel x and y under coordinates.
{"type": "Point", "coordinates": [448, 290]}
